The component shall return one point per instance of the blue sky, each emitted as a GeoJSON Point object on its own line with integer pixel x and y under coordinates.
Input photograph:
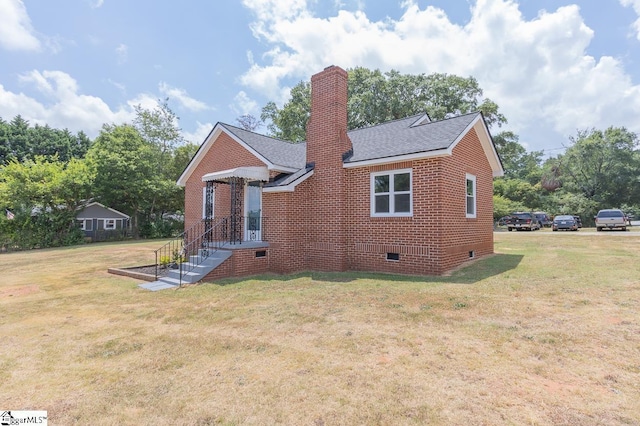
{"type": "Point", "coordinates": [553, 66]}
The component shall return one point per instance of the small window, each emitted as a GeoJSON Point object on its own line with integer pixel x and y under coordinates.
{"type": "Point", "coordinates": [391, 193]}
{"type": "Point", "coordinates": [109, 224]}
{"type": "Point", "coordinates": [261, 253]}
{"type": "Point", "coordinates": [393, 256]}
{"type": "Point", "coordinates": [471, 196]}
{"type": "Point", "coordinates": [81, 225]}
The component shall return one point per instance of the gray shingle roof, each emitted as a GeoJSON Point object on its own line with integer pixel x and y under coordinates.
{"type": "Point", "coordinates": [286, 179]}
{"type": "Point", "coordinates": [385, 140]}
{"type": "Point", "coordinates": [399, 138]}
{"type": "Point", "coordinates": [277, 151]}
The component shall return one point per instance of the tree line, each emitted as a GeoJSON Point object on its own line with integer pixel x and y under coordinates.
{"type": "Point", "coordinates": [46, 174]}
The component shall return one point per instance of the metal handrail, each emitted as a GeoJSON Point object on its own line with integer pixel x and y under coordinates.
{"type": "Point", "coordinates": [198, 249]}
{"type": "Point", "coordinates": [204, 238]}
{"type": "Point", "coordinates": [171, 252]}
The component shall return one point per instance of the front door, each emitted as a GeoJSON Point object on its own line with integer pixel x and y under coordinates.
{"type": "Point", "coordinates": [253, 213]}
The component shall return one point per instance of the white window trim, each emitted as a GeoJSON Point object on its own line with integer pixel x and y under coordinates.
{"type": "Point", "coordinates": [372, 193]}
{"type": "Point", "coordinates": [109, 228]}
{"type": "Point", "coordinates": [473, 215]}
{"type": "Point", "coordinates": [82, 224]}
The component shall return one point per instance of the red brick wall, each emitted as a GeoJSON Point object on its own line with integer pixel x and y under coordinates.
{"type": "Point", "coordinates": [241, 264]}
{"type": "Point", "coordinates": [286, 228]}
{"type": "Point", "coordinates": [438, 236]}
{"type": "Point", "coordinates": [224, 154]}
{"type": "Point", "coordinates": [477, 234]}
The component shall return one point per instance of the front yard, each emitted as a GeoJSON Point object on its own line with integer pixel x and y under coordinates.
{"type": "Point", "coordinates": [545, 332]}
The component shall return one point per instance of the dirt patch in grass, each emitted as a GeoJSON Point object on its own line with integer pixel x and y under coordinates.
{"type": "Point", "coordinates": [546, 332]}
{"type": "Point", "coordinates": [18, 291]}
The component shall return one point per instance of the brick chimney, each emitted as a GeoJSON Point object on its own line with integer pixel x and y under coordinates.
{"type": "Point", "coordinates": [327, 141]}
{"type": "Point", "coordinates": [327, 137]}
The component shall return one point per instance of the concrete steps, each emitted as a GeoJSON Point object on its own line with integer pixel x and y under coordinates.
{"type": "Point", "coordinates": [198, 267]}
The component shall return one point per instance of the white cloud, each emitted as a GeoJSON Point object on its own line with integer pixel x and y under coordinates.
{"type": "Point", "coordinates": [59, 103]}
{"type": "Point", "coordinates": [122, 52]}
{"type": "Point", "coordinates": [636, 6]}
{"type": "Point", "coordinates": [536, 70]}
{"type": "Point", "coordinates": [96, 4]}
{"type": "Point", "coordinates": [64, 106]}
{"type": "Point", "coordinates": [16, 32]}
{"type": "Point", "coordinates": [182, 97]}
{"type": "Point", "coordinates": [243, 104]}
{"type": "Point", "coordinates": [199, 134]}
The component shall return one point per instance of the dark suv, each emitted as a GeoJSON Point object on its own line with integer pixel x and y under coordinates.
{"type": "Point", "coordinates": [523, 221]}
{"type": "Point", "coordinates": [544, 219]}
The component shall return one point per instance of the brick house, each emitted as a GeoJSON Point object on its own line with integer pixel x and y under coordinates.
{"type": "Point", "coordinates": [411, 196]}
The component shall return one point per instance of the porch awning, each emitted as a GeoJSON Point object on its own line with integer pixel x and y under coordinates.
{"type": "Point", "coordinates": [248, 172]}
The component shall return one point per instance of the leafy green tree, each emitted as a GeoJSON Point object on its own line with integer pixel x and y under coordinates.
{"type": "Point", "coordinates": [20, 141]}
{"type": "Point", "coordinates": [159, 126]}
{"type": "Point", "coordinates": [125, 167]}
{"type": "Point", "coordinates": [374, 97]}
{"type": "Point", "coordinates": [602, 166]}
{"type": "Point", "coordinates": [516, 161]}
{"type": "Point", "coordinates": [503, 206]}
{"type": "Point", "coordinates": [519, 191]}
{"type": "Point", "coordinates": [19, 138]}
{"type": "Point", "coordinates": [160, 129]}
{"type": "Point", "coordinates": [44, 195]}
{"type": "Point", "coordinates": [564, 202]}
{"type": "Point", "coordinates": [80, 144]}
{"type": "Point", "coordinates": [5, 143]}
{"type": "Point", "coordinates": [181, 158]}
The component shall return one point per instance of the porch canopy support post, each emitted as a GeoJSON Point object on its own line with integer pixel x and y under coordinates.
{"type": "Point", "coordinates": [237, 192]}
{"type": "Point", "coordinates": [236, 179]}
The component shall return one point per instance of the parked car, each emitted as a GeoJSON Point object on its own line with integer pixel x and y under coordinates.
{"type": "Point", "coordinates": [543, 218]}
{"type": "Point", "coordinates": [564, 221]}
{"type": "Point", "coordinates": [523, 221]}
{"type": "Point", "coordinates": [578, 220]}
{"type": "Point", "coordinates": [611, 219]}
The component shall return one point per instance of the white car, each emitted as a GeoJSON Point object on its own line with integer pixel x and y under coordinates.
{"type": "Point", "coordinates": [611, 219]}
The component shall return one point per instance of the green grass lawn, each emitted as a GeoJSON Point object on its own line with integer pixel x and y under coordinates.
{"type": "Point", "coordinates": [545, 332]}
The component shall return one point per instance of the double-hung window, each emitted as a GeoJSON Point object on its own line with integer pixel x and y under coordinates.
{"type": "Point", "coordinates": [109, 224]}
{"type": "Point", "coordinates": [471, 196]}
{"type": "Point", "coordinates": [391, 193]}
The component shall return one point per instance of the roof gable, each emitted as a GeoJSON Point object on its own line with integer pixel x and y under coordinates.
{"type": "Point", "coordinates": [417, 137]}
{"type": "Point", "coordinates": [276, 154]}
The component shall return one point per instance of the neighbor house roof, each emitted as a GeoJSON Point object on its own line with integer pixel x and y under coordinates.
{"type": "Point", "coordinates": [399, 140]}
{"type": "Point", "coordinates": [90, 210]}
